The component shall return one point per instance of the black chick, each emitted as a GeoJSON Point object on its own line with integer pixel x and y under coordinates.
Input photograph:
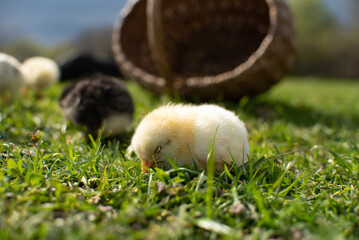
{"type": "Point", "coordinates": [85, 64]}
{"type": "Point", "coordinates": [101, 103]}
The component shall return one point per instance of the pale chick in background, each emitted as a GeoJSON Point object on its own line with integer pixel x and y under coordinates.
{"type": "Point", "coordinates": [185, 133]}
{"type": "Point", "coordinates": [11, 76]}
{"type": "Point", "coordinates": [40, 72]}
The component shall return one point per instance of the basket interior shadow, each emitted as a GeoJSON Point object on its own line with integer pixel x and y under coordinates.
{"type": "Point", "coordinates": [203, 49]}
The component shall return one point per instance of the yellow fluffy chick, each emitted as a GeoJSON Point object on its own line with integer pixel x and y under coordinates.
{"type": "Point", "coordinates": [185, 134]}
{"type": "Point", "coordinates": [40, 72]}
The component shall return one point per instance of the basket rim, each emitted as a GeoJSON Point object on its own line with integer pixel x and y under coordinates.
{"type": "Point", "coordinates": [150, 79]}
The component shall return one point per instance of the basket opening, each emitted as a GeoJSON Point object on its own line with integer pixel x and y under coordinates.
{"type": "Point", "coordinates": [217, 38]}
{"type": "Point", "coordinates": [134, 42]}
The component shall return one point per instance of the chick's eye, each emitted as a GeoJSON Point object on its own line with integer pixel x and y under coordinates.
{"type": "Point", "coordinates": [158, 149]}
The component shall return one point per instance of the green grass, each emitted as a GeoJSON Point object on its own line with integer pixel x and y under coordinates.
{"type": "Point", "coordinates": [301, 181]}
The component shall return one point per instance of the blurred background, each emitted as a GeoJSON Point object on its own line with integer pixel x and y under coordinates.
{"type": "Point", "coordinates": [327, 31]}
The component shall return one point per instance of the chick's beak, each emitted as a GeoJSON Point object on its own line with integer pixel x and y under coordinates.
{"type": "Point", "coordinates": [147, 164]}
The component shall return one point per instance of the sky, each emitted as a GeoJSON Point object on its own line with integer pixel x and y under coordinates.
{"type": "Point", "coordinates": [52, 22]}
{"type": "Point", "coordinates": [340, 9]}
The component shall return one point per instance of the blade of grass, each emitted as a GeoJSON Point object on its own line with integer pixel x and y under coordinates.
{"type": "Point", "coordinates": [277, 183]}
{"type": "Point", "coordinates": [199, 181]}
{"type": "Point", "coordinates": [193, 159]}
{"type": "Point", "coordinates": [266, 219]}
{"type": "Point", "coordinates": [341, 161]}
{"type": "Point", "coordinates": [171, 162]}
{"type": "Point", "coordinates": [211, 225]}
{"type": "Point", "coordinates": [285, 191]}
{"type": "Point", "coordinates": [210, 174]}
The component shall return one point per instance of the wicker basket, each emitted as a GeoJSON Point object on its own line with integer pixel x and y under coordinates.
{"type": "Point", "coordinates": [204, 49]}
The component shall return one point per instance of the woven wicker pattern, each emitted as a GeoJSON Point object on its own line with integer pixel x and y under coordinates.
{"type": "Point", "coordinates": [205, 48]}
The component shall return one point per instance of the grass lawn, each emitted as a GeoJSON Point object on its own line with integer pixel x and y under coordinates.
{"type": "Point", "coordinates": [301, 182]}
